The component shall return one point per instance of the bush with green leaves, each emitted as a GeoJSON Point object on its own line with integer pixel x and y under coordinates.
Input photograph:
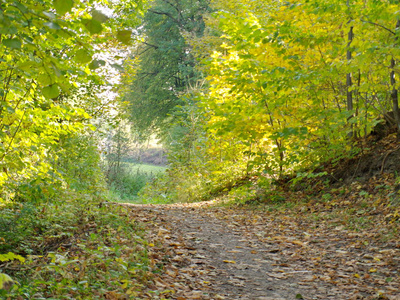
{"type": "Point", "coordinates": [126, 183]}
{"type": "Point", "coordinates": [84, 251]}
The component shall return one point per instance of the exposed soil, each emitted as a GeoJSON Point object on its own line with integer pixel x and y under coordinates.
{"type": "Point", "coordinates": [211, 252]}
{"type": "Point", "coordinates": [374, 158]}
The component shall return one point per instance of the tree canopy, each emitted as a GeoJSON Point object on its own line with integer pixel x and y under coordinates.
{"type": "Point", "coordinates": [290, 84]}
{"type": "Point", "coordinates": [162, 66]}
{"type": "Point", "coordinates": [49, 72]}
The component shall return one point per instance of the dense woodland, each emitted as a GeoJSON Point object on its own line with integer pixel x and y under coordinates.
{"type": "Point", "coordinates": [243, 96]}
{"type": "Point", "coordinates": [263, 90]}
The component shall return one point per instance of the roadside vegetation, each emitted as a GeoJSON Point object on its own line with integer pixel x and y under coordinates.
{"type": "Point", "coordinates": [125, 185]}
{"type": "Point", "coordinates": [59, 238]}
{"type": "Point", "coordinates": [73, 248]}
{"type": "Point", "coordinates": [289, 108]}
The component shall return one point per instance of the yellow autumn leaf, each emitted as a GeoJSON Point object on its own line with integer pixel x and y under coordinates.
{"type": "Point", "coordinates": [357, 275]}
{"type": "Point", "coordinates": [131, 292]}
{"type": "Point", "coordinates": [299, 243]}
{"type": "Point", "coordinates": [124, 284]}
{"type": "Point", "coordinates": [373, 270]}
{"type": "Point", "coordinates": [229, 261]}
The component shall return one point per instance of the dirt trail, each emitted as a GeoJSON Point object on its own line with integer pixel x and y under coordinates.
{"type": "Point", "coordinates": [218, 253]}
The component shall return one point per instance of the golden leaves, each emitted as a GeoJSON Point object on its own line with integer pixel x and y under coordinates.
{"type": "Point", "coordinates": [229, 261]}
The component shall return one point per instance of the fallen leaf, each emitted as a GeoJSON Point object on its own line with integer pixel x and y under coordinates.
{"type": "Point", "coordinates": [373, 270]}
{"type": "Point", "coordinates": [277, 275]}
{"type": "Point", "coordinates": [229, 261]}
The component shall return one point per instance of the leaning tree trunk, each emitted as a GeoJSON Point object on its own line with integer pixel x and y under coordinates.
{"type": "Point", "coordinates": [395, 97]}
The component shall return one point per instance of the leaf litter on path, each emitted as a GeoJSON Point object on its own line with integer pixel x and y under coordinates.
{"type": "Point", "coordinates": [208, 252]}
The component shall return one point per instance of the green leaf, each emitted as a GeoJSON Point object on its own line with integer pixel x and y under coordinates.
{"type": "Point", "coordinates": [26, 65]}
{"type": "Point", "coordinates": [8, 29]}
{"type": "Point", "coordinates": [63, 6]}
{"type": "Point", "coordinates": [44, 79]}
{"type": "Point", "coordinates": [92, 25]}
{"type": "Point", "coordinates": [11, 256]}
{"type": "Point", "coordinates": [118, 67]}
{"type": "Point", "coordinates": [96, 64]}
{"type": "Point", "coordinates": [5, 281]}
{"type": "Point", "coordinates": [56, 70]}
{"type": "Point", "coordinates": [51, 91]}
{"type": "Point", "coordinates": [12, 43]}
{"type": "Point", "coordinates": [124, 36]}
{"type": "Point", "coordinates": [50, 15]}
{"type": "Point", "coordinates": [299, 296]}
{"type": "Point", "coordinates": [52, 25]}
{"type": "Point", "coordinates": [82, 56]}
{"type": "Point", "coordinates": [21, 7]}
{"type": "Point", "coordinates": [99, 16]}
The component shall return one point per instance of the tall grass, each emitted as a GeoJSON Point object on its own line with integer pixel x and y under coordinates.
{"type": "Point", "coordinates": [126, 182]}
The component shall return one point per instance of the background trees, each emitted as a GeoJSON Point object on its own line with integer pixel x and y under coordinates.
{"type": "Point", "coordinates": [162, 63]}
{"type": "Point", "coordinates": [234, 89]}
{"type": "Point", "coordinates": [290, 85]}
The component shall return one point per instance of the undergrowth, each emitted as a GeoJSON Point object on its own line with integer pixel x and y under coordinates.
{"type": "Point", "coordinates": [126, 181]}
{"type": "Point", "coordinates": [78, 248]}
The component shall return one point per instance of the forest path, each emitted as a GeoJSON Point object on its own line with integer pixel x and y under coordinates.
{"type": "Point", "coordinates": [211, 252]}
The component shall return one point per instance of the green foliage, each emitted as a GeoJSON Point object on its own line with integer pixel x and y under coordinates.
{"type": "Point", "coordinates": [5, 282]}
{"type": "Point", "coordinates": [126, 182]}
{"type": "Point", "coordinates": [162, 67]}
{"type": "Point", "coordinates": [11, 256]}
{"type": "Point", "coordinates": [83, 250]}
{"type": "Point", "coordinates": [243, 194]}
{"type": "Point", "coordinates": [286, 107]}
{"type": "Point", "coordinates": [79, 163]}
{"type": "Point", "coordinates": [25, 225]}
{"type": "Point", "coordinates": [46, 46]}
{"type": "Point", "coordinates": [303, 175]}
{"type": "Point", "coordinates": [62, 7]}
{"type": "Point", "coordinates": [199, 166]}
{"type": "Point", "coordinates": [50, 176]}
{"type": "Point", "coordinates": [18, 223]}
{"type": "Point", "coordinates": [192, 183]}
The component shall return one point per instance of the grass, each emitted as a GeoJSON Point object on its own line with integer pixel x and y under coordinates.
{"type": "Point", "coordinates": [126, 184]}
{"type": "Point", "coordinates": [144, 168]}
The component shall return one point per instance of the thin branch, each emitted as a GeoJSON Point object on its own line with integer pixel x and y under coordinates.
{"type": "Point", "coordinates": [13, 137]}
{"type": "Point", "coordinates": [166, 14]}
{"type": "Point", "coordinates": [144, 51]}
{"type": "Point", "coordinates": [175, 7]}
{"type": "Point", "coordinates": [151, 45]}
{"type": "Point", "coordinates": [379, 25]}
{"type": "Point", "coordinates": [179, 11]}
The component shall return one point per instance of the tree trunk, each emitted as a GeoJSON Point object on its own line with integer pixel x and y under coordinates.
{"type": "Point", "coordinates": [395, 97]}
{"type": "Point", "coordinates": [349, 82]}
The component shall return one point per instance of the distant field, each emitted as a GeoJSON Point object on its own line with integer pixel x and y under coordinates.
{"type": "Point", "coordinates": [145, 168]}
